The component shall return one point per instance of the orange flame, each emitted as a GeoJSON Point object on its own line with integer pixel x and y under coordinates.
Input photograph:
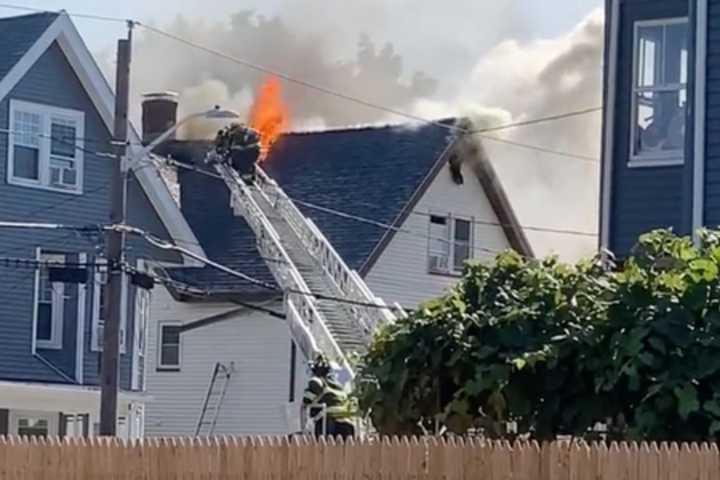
{"type": "Point", "coordinates": [269, 114]}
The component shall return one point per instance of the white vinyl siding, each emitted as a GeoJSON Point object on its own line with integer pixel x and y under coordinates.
{"type": "Point", "coordinates": [45, 147]}
{"type": "Point", "coordinates": [402, 274]}
{"type": "Point", "coordinates": [256, 401]}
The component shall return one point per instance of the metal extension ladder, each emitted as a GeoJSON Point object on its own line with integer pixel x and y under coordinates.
{"type": "Point", "coordinates": [214, 399]}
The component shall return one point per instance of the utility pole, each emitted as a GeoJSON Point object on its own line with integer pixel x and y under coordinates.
{"type": "Point", "coordinates": [115, 246]}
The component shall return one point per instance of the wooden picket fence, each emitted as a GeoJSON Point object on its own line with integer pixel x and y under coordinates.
{"type": "Point", "coordinates": [386, 459]}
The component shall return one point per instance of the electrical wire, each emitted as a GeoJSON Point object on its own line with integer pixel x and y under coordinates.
{"type": "Point", "coordinates": [78, 15]}
{"type": "Point", "coordinates": [34, 263]}
{"type": "Point", "coordinates": [537, 148]}
{"type": "Point", "coordinates": [344, 96]}
{"type": "Point", "coordinates": [537, 121]}
{"type": "Point", "coordinates": [165, 245]}
{"type": "Point", "coordinates": [331, 211]}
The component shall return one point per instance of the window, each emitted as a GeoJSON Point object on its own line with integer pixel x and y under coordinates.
{"type": "Point", "coordinates": [100, 309]}
{"type": "Point", "coordinates": [439, 244]}
{"type": "Point", "coordinates": [450, 243]}
{"type": "Point", "coordinates": [659, 102]}
{"type": "Point", "coordinates": [33, 424]}
{"type": "Point", "coordinates": [49, 305]}
{"type": "Point", "coordinates": [461, 246]}
{"type": "Point", "coordinates": [75, 425]}
{"type": "Point", "coordinates": [45, 147]}
{"type": "Point", "coordinates": [142, 315]}
{"type": "Point", "coordinates": [170, 347]}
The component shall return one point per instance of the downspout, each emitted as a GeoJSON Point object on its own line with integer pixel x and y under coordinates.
{"type": "Point", "coordinates": [701, 33]}
{"type": "Point", "coordinates": [80, 334]}
{"type": "Point", "coordinates": [608, 123]}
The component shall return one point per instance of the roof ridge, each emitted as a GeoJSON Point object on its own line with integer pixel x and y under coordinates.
{"type": "Point", "coordinates": [367, 126]}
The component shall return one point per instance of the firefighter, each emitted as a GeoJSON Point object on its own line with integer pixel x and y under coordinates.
{"type": "Point", "coordinates": [239, 146]}
{"type": "Point", "coordinates": [321, 391]}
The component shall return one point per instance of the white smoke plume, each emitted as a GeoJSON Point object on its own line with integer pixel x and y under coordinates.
{"type": "Point", "coordinates": [373, 72]}
{"type": "Point", "coordinates": [515, 80]}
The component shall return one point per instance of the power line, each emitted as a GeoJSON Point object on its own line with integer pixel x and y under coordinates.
{"type": "Point", "coordinates": [50, 226]}
{"type": "Point", "coordinates": [165, 245]}
{"type": "Point", "coordinates": [383, 225]}
{"type": "Point", "coordinates": [78, 15]}
{"type": "Point", "coordinates": [361, 101]}
{"type": "Point", "coordinates": [335, 93]}
{"type": "Point", "coordinates": [34, 263]}
{"type": "Point", "coordinates": [541, 149]}
{"type": "Point", "coordinates": [536, 121]}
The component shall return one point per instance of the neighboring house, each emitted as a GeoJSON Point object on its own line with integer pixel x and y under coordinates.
{"type": "Point", "coordinates": [349, 182]}
{"type": "Point", "coordinates": [661, 163]}
{"type": "Point", "coordinates": [56, 114]}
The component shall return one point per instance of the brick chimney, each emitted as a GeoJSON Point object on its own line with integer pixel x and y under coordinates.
{"type": "Point", "coordinates": [159, 113]}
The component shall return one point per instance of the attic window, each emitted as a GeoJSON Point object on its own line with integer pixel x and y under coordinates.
{"type": "Point", "coordinates": [45, 147]}
{"type": "Point", "coordinates": [449, 244]}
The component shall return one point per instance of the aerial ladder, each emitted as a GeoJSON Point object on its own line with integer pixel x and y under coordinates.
{"type": "Point", "coordinates": [330, 309]}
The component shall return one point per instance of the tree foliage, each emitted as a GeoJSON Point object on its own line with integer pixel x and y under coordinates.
{"type": "Point", "coordinates": [552, 349]}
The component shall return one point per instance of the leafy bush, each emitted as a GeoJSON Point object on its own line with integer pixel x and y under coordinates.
{"type": "Point", "coordinates": [554, 349]}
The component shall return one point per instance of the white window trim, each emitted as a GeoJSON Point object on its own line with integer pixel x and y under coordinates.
{"type": "Point", "coordinates": [138, 378]}
{"type": "Point", "coordinates": [17, 415]}
{"type": "Point", "coordinates": [46, 112]}
{"type": "Point", "coordinates": [450, 218]}
{"type": "Point", "coordinates": [95, 340]}
{"type": "Point", "coordinates": [58, 304]}
{"type": "Point", "coordinates": [666, 159]}
{"type": "Point", "coordinates": [160, 365]}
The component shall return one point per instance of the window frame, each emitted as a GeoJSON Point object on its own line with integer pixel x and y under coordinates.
{"type": "Point", "coordinates": [96, 340]}
{"type": "Point", "coordinates": [163, 367]}
{"type": "Point", "coordinates": [17, 415]}
{"type": "Point", "coordinates": [656, 159]}
{"type": "Point", "coordinates": [451, 229]}
{"type": "Point", "coordinates": [46, 113]}
{"type": "Point", "coordinates": [141, 323]}
{"type": "Point", "coordinates": [57, 303]}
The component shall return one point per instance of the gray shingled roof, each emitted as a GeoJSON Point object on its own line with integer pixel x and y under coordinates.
{"type": "Point", "coordinates": [374, 173]}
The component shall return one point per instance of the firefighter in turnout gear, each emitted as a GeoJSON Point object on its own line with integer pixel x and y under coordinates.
{"type": "Point", "coordinates": [239, 146]}
{"type": "Point", "coordinates": [321, 391]}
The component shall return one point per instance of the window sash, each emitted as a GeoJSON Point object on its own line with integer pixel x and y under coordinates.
{"type": "Point", "coordinates": [171, 347]}
{"type": "Point", "coordinates": [447, 256]}
{"type": "Point", "coordinates": [659, 86]}
{"type": "Point", "coordinates": [56, 168]}
{"type": "Point", "coordinates": [50, 295]}
{"type": "Point", "coordinates": [44, 424]}
{"type": "Point", "coordinates": [98, 324]}
{"type": "Point", "coordinates": [462, 247]}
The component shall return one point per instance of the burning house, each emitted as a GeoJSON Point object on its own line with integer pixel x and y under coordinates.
{"type": "Point", "coordinates": [387, 215]}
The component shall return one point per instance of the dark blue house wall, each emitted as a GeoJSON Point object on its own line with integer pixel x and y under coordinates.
{"type": "Point", "coordinates": [644, 198]}
{"type": "Point", "coordinates": [52, 81]}
{"type": "Point", "coordinates": [712, 136]}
